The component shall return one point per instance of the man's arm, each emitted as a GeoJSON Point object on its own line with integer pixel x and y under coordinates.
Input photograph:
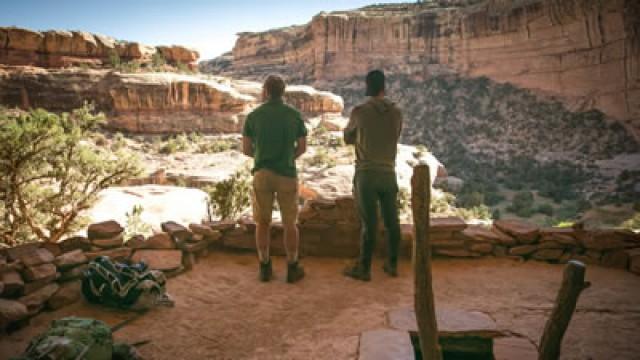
{"type": "Point", "coordinates": [247, 146]}
{"type": "Point", "coordinates": [350, 132]}
{"type": "Point", "coordinates": [301, 146]}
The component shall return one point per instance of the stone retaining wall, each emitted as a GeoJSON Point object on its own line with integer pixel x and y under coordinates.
{"type": "Point", "coordinates": [36, 277]}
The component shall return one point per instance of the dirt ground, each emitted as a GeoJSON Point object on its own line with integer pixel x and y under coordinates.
{"type": "Point", "coordinates": [223, 312]}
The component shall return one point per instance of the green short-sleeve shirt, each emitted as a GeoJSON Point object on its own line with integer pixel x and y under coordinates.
{"type": "Point", "coordinates": [274, 127]}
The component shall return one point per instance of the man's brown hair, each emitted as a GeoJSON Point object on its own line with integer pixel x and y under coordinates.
{"type": "Point", "coordinates": [274, 87]}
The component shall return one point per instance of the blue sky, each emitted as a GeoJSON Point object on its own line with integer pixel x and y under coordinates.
{"type": "Point", "coordinates": [206, 25]}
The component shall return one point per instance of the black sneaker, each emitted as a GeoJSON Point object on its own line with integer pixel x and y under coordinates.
{"type": "Point", "coordinates": [266, 272]}
{"type": "Point", "coordinates": [295, 272]}
{"type": "Point", "coordinates": [357, 271]}
{"type": "Point", "coordinates": [390, 269]}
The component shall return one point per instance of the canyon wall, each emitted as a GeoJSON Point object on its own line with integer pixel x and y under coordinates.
{"type": "Point", "coordinates": [57, 49]}
{"type": "Point", "coordinates": [150, 102]}
{"type": "Point", "coordinates": [585, 51]}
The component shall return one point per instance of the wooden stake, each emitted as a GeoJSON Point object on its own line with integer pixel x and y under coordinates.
{"type": "Point", "coordinates": [424, 301]}
{"type": "Point", "coordinates": [572, 285]}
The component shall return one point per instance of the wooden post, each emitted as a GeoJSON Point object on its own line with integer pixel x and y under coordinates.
{"type": "Point", "coordinates": [572, 285]}
{"type": "Point", "coordinates": [424, 301]}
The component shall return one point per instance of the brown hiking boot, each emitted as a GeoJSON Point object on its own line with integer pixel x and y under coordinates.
{"type": "Point", "coordinates": [266, 271]}
{"type": "Point", "coordinates": [357, 271]}
{"type": "Point", "coordinates": [295, 272]}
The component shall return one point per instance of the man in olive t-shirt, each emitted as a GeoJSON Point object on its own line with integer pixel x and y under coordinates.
{"type": "Point", "coordinates": [275, 136]}
{"type": "Point", "coordinates": [374, 129]}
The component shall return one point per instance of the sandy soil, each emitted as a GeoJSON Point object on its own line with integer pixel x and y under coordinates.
{"type": "Point", "coordinates": [223, 312]}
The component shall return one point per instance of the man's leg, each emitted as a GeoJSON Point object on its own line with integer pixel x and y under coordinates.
{"type": "Point", "coordinates": [262, 209]}
{"type": "Point", "coordinates": [287, 196]}
{"type": "Point", "coordinates": [389, 209]}
{"type": "Point", "coordinates": [367, 202]}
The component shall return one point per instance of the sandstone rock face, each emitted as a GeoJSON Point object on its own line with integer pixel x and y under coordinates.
{"type": "Point", "coordinates": [584, 51]}
{"type": "Point", "coordinates": [57, 48]}
{"type": "Point", "coordinates": [151, 102]}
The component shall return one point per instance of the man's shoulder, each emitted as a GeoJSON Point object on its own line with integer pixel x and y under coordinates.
{"type": "Point", "coordinates": [291, 109]}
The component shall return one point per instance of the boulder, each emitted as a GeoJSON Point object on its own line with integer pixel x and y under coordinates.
{"type": "Point", "coordinates": [525, 233]}
{"type": "Point", "coordinates": [135, 242]}
{"type": "Point", "coordinates": [456, 253]}
{"type": "Point", "coordinates": [247, 224]}
{"type": "Point", "coordinates": [195, 247]}
{"type": "Point", "coordinates": [159, 241]}
{"type": "Point", "coordinates": [122, 253]}
{"type": "Point", "coordinates": [481, 248]}
{"type": "Point", "coordinates": [203, 230]}
{"type": "Point", "coordinates": [104, 230]}
{"type": "Point", "coordinates": [15, 253]}
{"type": "Point", "coordinates": [176, 53]}
{"type": "Point", "coordinates": [607, 239]}
{"type": "Point", "coordinates": [137, 51]}
{"type": "Point", "coordinates": [106, 45]}
{"type": "Point", "coordinates": [109, 243]}
{"type": "Point", "coordinates": [71, 259]}
{"type": "Point", "coordinates": [522, 250]}
{"type": "Point", "coordinates": [548, 254]}
{"type": "Point", "coordinates": [446, 243]}
{"type": "Point", "coordinates": [551, 245]}
{"type": "Point", "coordinates": [73, 274]}
{"type": "Point", "coordinates": [385, 344]}
{"type": "Point", "coordinates": [634, 260]}
{"type": "Point", "coordinates": [446, 224]}
{"type": "Point", "coordinates": [178, 232]}
{"type": "Point", "coordinates": [615, 259]}
{"type": "Point", "coordinates": [24, 39]}
{"type": "Point", "coordinates": [54, 248]}
{"type": "Point", "coordinates": [164, 260]}
{"type": "Point", "coordinates": [58, 42]}
{"type": "Point", "coordinates": [36, 300]}
{"type": "Point", "coordinates": [38, 256]}
{"type": "Point", "coordinates": [67, 294]}
{"type": "Point", "coordinates": [74, 243]}
{"type": "Point", "coordinates": [222, 225]}
{"type": "Point", "coordinates": [84, 44]}
{"type": "Point", "coordinates": [478, 233]}
{"type": "Point", "coordinates": [11, 311]}
{"type": "Point", "coordinates": [40, 272]}
{"type": "Point", "coordinates": [499, 251]}
{"type": "Point", "coordinates": [13, 284]}
{"type": "Point", "coordinates": [33, 286]}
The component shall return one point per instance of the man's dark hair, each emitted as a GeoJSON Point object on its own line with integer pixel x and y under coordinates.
{"type": "Point", "coordinates": [375, 82]}
{"type": "Point", "coordinates": [274, 86]}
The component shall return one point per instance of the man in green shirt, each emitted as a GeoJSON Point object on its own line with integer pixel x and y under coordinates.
{"type": "Point", "coordinates": [374, 129]}
{"type": "Point", "coordinates": [275, 136]}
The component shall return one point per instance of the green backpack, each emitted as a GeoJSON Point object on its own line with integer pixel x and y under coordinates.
{"type": "Point", "coordinates": [72, 338]}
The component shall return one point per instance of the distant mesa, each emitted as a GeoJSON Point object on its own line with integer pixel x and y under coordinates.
{"type": "Point", "coordinates": [59, 49]}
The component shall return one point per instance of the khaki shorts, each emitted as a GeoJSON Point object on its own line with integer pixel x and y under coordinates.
{"type": "Point", "coordinates": [268, 185]}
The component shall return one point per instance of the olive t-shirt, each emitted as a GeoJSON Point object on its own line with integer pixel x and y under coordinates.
{"type": "Point", "coordinates": [274, 127]}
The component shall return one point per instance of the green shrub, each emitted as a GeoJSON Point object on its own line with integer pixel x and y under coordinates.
{"type": "Point", "coordinates": [114, 59]}
{"type": "Point", "coordinates": [632, 223]}
{"type": "Point", "coordinates": [158, 61]}
{"type": "Point", "coordinates": [228, 198]}
{"type": "Point", "coordinates": [135, 225]}
{"type": "Point", "coordinates": [49, 176]}
{"type": "Point", "coordinates": [545, 209]}
{"type": "Point", "coordinates": [321, 158]}
{"type": "Point", "coordinates": [217, 145]}
{"type": "Point", "coordinates": [522, 204]}
{"type": "Point", "coordinates": [481, 212]}
{"type": "Point", "coordinates": [118, 142]}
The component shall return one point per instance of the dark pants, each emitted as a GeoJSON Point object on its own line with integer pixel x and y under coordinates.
{"type": "Point", "coordinates": [371, 188]}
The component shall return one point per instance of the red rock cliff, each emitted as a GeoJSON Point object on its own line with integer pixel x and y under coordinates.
{"type": "Point", "coordinates": [586, 51]}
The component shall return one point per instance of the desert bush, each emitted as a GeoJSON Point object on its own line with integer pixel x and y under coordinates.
{"type": "Point", "coordinates": [545, 209]}
{"type": "Point", "coordinates": [175, 144]}
{"type": "Point", "coordinates": [135, 225]}
{"type": "Point", "coordinates": [481, 212]}
{"type": "Point", "coordinates": [158, 61]}
{"type": "Point", "coordinates": [118, 142]}
{"type": "Point", "coordinates": [49, 176]}
{"type": "Point", "coordinates": [321, 158]}
{"type": "Point", "coordinates": [114, 59]}
{"type": "Point", "coordinates": [217, 145]}
{"type": "Point", "coordinates": [632, 223]}
{"type": "Point", "coordinates": [228, 198]}
{"type": "Point", "coordinates": [443, 204]}
{"type": "Point", "coordinates": [522, 204]}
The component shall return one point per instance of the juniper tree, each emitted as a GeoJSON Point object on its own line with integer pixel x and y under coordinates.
{"type": "Point", "coordinates": [51, 174]}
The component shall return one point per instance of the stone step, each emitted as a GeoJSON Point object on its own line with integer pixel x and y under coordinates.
{"type": "Point", "coordinates": [386, 344]}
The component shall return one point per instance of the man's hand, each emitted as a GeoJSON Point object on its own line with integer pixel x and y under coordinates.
{"type": "Point", "coordinates": [247, 146]}
{"type": "Point", "coordinates": [301, 146]}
